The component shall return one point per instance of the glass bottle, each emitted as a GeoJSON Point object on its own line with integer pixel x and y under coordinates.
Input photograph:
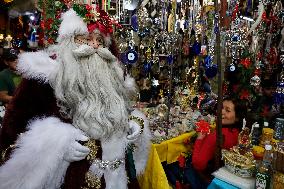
{"type": "Point", "coordinates": [279, 129]}
{"type": "Point", "coordinates": [255, 135]}
{"type": "Point", "coordinates": [263, 175]}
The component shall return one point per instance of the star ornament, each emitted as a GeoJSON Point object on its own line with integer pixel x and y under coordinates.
{"type": "Point", "coordinates": [155, 82]}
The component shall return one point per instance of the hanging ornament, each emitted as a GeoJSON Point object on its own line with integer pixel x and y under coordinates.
{"type": "Point", "coordinates": [123, 58]}
{"type": "Point", "coordinates": [123, 46]}
{"type": "Point", "coordinates": [155, 82]}
{"type": "Point", "coordinates": [208, 61]}
{"type": "Point", "coordinates": [196, 48]}
{"type": "Point", "coordinates": [232, 67]}
{"type": "Point", "coordinates": [170, 59]}
{"type": "Point", "coordinates": [255, 81]}
{"type": "Point", "coordinates": [211, 71]}
{"type": "Point", "coordinates": [134, 23]}
{"type": "Point", "coordinates": [131, 56]}
{"type": "Point", "coordinates": [147, 66]}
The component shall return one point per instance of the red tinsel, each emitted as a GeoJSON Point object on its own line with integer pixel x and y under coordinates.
{"type": "Point", "coordinates": [202, 126]}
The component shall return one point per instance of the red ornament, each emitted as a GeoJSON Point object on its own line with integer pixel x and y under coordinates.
{"type": "Point", "coordinates": [246, 62]}
{"type": "Point", "coordinates": [202, 126]}
{"type": "Point", "coordinates": [89, 8]}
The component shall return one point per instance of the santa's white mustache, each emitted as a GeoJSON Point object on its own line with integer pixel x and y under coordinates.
{"type": "Point", "coordinates": [86, 50]}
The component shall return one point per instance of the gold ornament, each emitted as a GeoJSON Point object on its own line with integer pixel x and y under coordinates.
{"type": "Point", "coordinates": [91, 144]}
{"type": "Point", "coordinates": [92, 181]}
{"type": "Point", "coordinates": [241, 165]}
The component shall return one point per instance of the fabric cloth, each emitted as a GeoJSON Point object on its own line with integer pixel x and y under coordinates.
{"type": "Point", "coordinates": [204, 149]}
{"type": "Point", "coordinates": [9, 81]}
{"type": "Point", "coordinates": [168, 151]}
{"type": "Point", "coordinates": [219, 184]}
{"type": "Point", "coordinates": [225, 179]}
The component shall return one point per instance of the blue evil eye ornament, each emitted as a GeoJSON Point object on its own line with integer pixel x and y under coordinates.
{"type": "Point", "coordinates": [132, 56]}
{"type": "Point", "coordinates": [232, 67]}
{"type": "Point", "coordinates": [170, 59]}
{"type": "Point", "coordinates": [196, 48]}
{"type": "Point", "coordinates": [211, 71]}
{"type": "Point", "coordinates": [207, 61]}
{"type": "Point", "coordinates": [123, 58]}
{"type": "Point", "coordinates": [134, 23]}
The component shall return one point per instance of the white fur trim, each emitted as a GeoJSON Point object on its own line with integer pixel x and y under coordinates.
{"type": "Point", "coordinates": [37, 65]}
{"type": "Point", "coordinates": [114, 148]}
{"type": "Point", "coordinates": [130, 83]}
{"type": "Point", "coordinates": [71, 25]}
{"type": "Point", "coordinates": [143, 144]}
{"type": "Point", "coordinates": [37, 162]}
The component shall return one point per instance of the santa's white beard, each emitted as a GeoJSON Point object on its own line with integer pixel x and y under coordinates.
{"type": "Point", "coordinates": [90, 91]}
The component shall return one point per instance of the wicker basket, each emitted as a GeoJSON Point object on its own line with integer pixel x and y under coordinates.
{"type": "Point", "coordinates": [238, 164]}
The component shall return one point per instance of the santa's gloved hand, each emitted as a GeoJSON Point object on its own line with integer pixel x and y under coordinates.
{"type": "Point", "coordinates": [135, 130]}
{"type": "Point", "coordinates": [76, 151]}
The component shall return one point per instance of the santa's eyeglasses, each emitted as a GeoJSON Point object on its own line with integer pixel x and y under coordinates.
{"type": "Point", "coordinates": [94, 40]}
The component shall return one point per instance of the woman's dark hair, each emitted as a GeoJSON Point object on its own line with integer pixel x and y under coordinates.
{"type": "Point", "coordinates": [240, 109]}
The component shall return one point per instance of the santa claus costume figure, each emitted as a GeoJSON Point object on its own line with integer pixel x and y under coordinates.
{"type": "Point", "coordinates": [70, 121]}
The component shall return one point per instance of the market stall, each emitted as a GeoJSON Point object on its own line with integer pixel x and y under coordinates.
{"type": "Point", "coordinates": [185, 57]}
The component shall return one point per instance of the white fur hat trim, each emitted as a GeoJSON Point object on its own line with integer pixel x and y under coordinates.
{"type": "Point", "coordinates": [71, 25]}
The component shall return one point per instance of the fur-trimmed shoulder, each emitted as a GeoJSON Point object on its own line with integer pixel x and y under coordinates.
{"type": "Point", "coordinates": [37, 65]}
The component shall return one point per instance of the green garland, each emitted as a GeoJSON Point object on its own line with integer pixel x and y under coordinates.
{"type": "Point", "coordinates": [51, 12]}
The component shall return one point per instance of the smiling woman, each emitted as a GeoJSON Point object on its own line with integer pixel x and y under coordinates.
{"type": "Point", "coordinates": [233, 112]}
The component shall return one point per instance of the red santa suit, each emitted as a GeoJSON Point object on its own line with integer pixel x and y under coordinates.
{"type": "Point", "coordinates": [36, 140]}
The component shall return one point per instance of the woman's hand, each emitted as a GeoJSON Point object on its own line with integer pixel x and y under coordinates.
{"type": "Point", "coordinates": [201, 135]}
